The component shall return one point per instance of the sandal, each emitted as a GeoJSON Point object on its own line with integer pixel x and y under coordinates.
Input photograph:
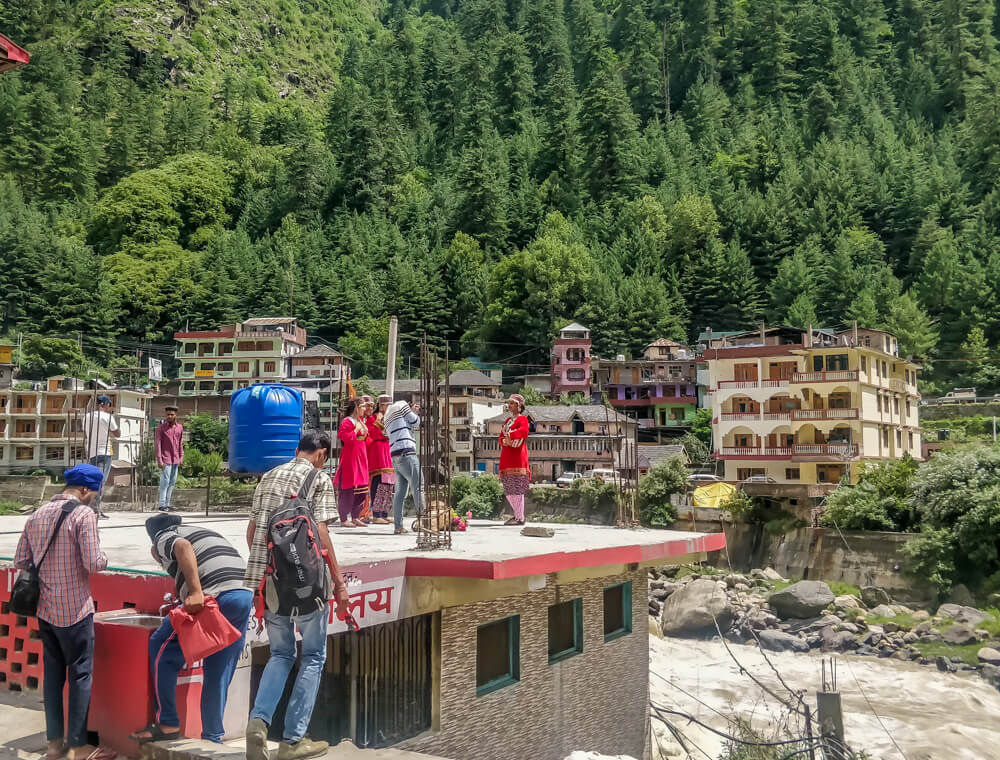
{"type": "Point", "coordinates": [514, 521]}
{"type": "Point", "coordinates": [401, 531]}
{"type": "Point", "coordinates": [156, 734]}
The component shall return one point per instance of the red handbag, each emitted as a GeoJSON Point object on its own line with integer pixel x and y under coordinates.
{"type": "Point", "coordinates": [203, 634]}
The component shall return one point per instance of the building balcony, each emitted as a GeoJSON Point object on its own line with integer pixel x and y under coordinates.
{"type": "Point", "coordinates": [750, 384]}
{"type": "Point", "coordinates": [840, 450]}
{"type": "Point", "coordinates": [461, 446]}
{"type": "Point", "coordinates": [653, 401]}
{"type": "Point", "coordinates": [755, 452]}
{"type": "Point", "coordinates": [825, 414]}
{"type": "Point", "coordinates": [834, 376]}
{"type": "Point", "coordinates": [740, 417]}
{"type": "Point", "coordinates": [53, 434]}
{"type": "Point", "coordinates": [25, 434]}
{"type": "Point", "coordinates": [777, 416]}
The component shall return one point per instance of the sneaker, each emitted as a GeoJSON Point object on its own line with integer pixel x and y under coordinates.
{"type": "Point", "coordinates": [301, 750]}
{"type": "Point", "coordinates": [256, 738]}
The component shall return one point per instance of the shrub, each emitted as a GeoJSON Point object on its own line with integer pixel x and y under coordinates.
{"type": "Point", "coordinates": [595, 495]}
{"type": "Point", "coordinates": [461, 486]}
{"type": "Point", "coordinates": [655, 490]}
{"type": "Point", "coordinates": [490, 489]}
{"type": "Point", "coordinates": [207, 434]}
{"type": "Point", "coordinates": [478, 504]}
{"type": "Point", "coordinates": [879, 501]}
{"type": "Point", "coordinates": [739, 504]}
{"type": "Point", "coordinates": [191, 466]}
{"type": "Point", "coordinates": [930, 557]}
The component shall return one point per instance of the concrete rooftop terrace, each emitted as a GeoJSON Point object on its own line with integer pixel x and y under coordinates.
{"type": "Point", "coordinates": [487, 550]}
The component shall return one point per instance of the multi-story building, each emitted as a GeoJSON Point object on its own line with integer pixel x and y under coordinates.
{"type": "Point", "coordinates": [571, 361]}
{"type": "Point", "coordinates": [217, 362]}
{"type": "Point", "coordinates": [473, 398]}
{"type": "Point", "coordinates": [324, 372]}
{"type": "Point", "coordinates": [42, 427]}
{"type": "Point", "coordinates": [565, 439]}
{"type": "Point", "coordinates": [659, 389]}
{"type": "Point", "coordinates": [805, 407]}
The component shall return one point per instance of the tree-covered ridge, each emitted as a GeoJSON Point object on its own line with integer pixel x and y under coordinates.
{"type": "Point", "coordinates": [489, 168]}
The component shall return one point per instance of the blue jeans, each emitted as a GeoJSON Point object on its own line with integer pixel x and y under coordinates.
{"type": "Point", "coordinates": [166, 660]}
{"type": "Point", "coordinates": [407, 468]}
{"type": "Point", "coordinates": [281, 635]}
{"type": "Point", "coordinates": [102, 462]}
{"type": "Point", "coordinates": [67, 650]}
{"type": "Point", "coordinates": [168, 476]}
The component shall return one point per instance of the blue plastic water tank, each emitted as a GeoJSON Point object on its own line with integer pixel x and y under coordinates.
{"type": "Point", "coordinates": [265, 423]}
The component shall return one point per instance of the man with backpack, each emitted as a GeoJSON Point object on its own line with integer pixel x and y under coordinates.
{"type": "Point", "coordinates": [291, 576]}
{"type": "Point", "coordinates": [61, 542]}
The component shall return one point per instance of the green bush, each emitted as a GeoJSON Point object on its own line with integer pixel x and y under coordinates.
{"type": "Point", "coordinates": [879, 501]}
{"type": "Point", "coordinates": [594, 495]}
{"type": "Point", "coordinates": [930, 557]}
{"type": "Point", "coordinates": [478, 504]}
{"type": "Point", "coordinates": [655, 490]}
{"type": "Point", "coordinates": [740, 504]}
{"type": "Point", "coordinates": [487, 490]}
{"type": "Point", "coordinates": [193, 459]}
{"type": "Point", "coordinates": [207, 434]}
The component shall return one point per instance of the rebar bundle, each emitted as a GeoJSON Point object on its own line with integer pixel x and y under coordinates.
{"type": "Point", "coordinates": [433, 525]}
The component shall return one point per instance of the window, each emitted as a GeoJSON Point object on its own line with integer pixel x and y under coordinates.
{"type": "Point", "coordinates": [909, 440]}
{"type": "Point", "coordinates": [225, 349]}
{"type": "Point", "coordinates": [188, 367]}
{"type": "Point", "coordinates": [190, 348]}
{"type": "Point", "coordinates": [269, 367]}
{"type": "Point", "coordinates": [243, 366]}
{"type": "Point", "coordinates": [742, 473]}
{"type": "Point", "coordinates": [744, 441]}
{"type": "Point", "coordinates": [617, 610]}
{"type": "Point", "coordinates": [498, 654]}
{"type": "Point", "coordinates": [463, 434]}
{"type": "Point", "coordinates": [878, 401]}
{"type": "Point", "coordinates": [225, 367]}
{"type": "Point", "coordinates": [908, 406]}
{"type": "Point", "coordinates": [245, 345]}
{"type": "Point", "coordinates": [899, 439]}
{"type": "Point", "coordinates": [836, 362]}
{"type": "Point", "coordinates": [792, 473]}
{"type": "Point", "coordinates": [263, 345]}
{"type": "Point", "coordinates": [23, 452]}
{"type": "Point", "coordinates": [54, 452]}
{"type": "Point", "coordinates": [864, 364]}
{"type": "Point", "coordinates": [206, 385]}
{"type": "Point", "coordinates": [565, 630]}
{"type": "Point", "coordinates": [576, 374]}
{"type": "Point", "coordinates": [885, 370]}
{"type": "Point", "coordinates": [188, 386]}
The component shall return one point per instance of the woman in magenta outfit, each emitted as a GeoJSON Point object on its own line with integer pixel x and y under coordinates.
{"type": "Point", "coordinates": [383, 478]}
{"type": "Point", "coordinates": [351, 477]}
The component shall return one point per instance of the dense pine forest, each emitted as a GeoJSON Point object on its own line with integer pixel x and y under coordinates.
{"type": "Point", "coordinates": [488, 168]}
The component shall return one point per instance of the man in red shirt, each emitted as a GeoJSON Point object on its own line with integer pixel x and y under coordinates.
{"type": "Point", "coordinates": [169, 455]}
{"type": "Point", "coordinates": [65, 607]}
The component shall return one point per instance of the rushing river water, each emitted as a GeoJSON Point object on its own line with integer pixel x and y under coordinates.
{"type": "Point", "coordinates": [931, 715]}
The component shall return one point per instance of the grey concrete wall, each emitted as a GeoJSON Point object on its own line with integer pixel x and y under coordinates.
{"type": "Point", "coordinates": [26, 489]}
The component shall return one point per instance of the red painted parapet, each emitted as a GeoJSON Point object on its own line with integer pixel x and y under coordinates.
{"type": "Point", "coordinates": [11, 56]}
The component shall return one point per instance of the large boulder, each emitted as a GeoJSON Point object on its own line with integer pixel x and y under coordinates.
{"type": "Point", "coordinates": [848, 602]}
{"type": "Point", "coordinates": [873, 596]}
{"type": "Point", "coordinates": [989, 655]}
{"type": "Point", "coordinates": [778, 641]}
{"type": "Point", "coordinates": [959, 634]}
{"type": "Point", "coordinates": [695, 607]}
{"type": "Point", "coordinates": [804, 599]}
{"type": "Point", "coordinates": [883, 610]}
{"type": "Point", "coordinates": [961, 613]}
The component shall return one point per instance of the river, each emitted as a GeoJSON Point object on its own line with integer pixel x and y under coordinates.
{"type": "Point", "coordinates": [931, 715]}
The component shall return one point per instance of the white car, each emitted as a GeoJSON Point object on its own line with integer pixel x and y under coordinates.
{"type": "Point", "coordinates": [701, 478]}
{"type": "Point", "coordinates": [603, 475]}
{"type": "Point", "coordinates": [567, 479]}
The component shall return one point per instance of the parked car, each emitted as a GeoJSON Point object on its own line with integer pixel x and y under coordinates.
{"type": "Point", "coordinates": [701, 478]}
{"type": "Point", "coordinates": [760, 479]}
{"type": "Point", "coordinates": [602, 474]}
{"type": "Point", "coordinates": [567, 479]}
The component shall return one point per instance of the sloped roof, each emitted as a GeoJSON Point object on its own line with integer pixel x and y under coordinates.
{"type": "Point", "coordinates": [265, 321]}
{"type": "Point", "coordinates": [650, 456]}
{"type": "Point", "coordinates": [317, 350]}
{"type": "Point", "coordinates": [665, 343]}
{"type": "Point", "coordinates": [575, 327]}
{"type": "Point", "coordinates": [470, 377]}
{"type": "Point", "coordinates": [561, 413]}
{"type": "Point", "coordinates": [401, 386]}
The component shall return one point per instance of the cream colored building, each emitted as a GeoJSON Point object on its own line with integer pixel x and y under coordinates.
{"type": "Point", "coordinates": [804, 407]}
{"type": "Point", "coordinates": [42, 427]}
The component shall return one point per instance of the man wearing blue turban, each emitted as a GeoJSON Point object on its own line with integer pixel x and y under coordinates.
{"type": "Point", "coordinates": [61, 541]}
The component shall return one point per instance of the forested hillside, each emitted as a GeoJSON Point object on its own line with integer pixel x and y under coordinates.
{"type": "Point", "coordinates": [487, 168]}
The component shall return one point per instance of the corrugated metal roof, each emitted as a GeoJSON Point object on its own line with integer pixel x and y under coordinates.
{"type": "Point", "coordinates": [317, 350]}
{"type": "Point", "coordinates": [264, 321]}
{"type": "Point", "coordinates": [470, 377]}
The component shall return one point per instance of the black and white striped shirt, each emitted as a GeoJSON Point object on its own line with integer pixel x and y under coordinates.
{"type": "Point", "coordinates": [220, 566]}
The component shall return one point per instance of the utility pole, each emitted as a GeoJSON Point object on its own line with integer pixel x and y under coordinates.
{"type": "Point", "coordinates": [390, 362]}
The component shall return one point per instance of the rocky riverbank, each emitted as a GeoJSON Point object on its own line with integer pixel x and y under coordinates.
{"type": "Point", "coordinates": [762, 609]}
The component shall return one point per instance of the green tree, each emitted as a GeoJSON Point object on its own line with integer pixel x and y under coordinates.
{"type": "Point", "coordinates": [655, 490]}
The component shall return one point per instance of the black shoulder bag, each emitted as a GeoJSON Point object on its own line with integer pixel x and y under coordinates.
{"type": "Point", "coordinates": [27, 590]}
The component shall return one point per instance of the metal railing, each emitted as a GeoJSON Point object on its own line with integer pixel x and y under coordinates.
{"type": "Point", "coordinates": [825, 414]}
{"type": "Point", "coordinates": [825, 377]}
{"type": "Point", "coordinates": [831, 449]}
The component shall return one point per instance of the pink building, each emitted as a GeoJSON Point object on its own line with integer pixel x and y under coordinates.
{"type": "Point", "coordinates": [571, 361]}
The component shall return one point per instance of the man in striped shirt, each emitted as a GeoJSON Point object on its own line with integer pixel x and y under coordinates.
{"type": "Point", "coordinates": [202, 563]}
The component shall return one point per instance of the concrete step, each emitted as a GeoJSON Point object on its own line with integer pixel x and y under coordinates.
{"type": "Point", "coordinates": [196, 749]}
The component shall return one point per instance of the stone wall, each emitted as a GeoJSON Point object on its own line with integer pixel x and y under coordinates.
{"type": "Point", "coordinates": [26, 489]}
{"type": "Point", "coordinates": [953, 411]}
{"type": "Point", "coordinates": [595, 701]}
{"type": "Point", "coordinates": [861, 558]}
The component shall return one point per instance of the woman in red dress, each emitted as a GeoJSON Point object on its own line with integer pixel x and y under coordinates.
{"type": "Point", "coordinates": [351, 477]}
{"type": "Point", "coordinates": [383, 477]}
{"type": "Point", "coordinates": [515, 473]}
